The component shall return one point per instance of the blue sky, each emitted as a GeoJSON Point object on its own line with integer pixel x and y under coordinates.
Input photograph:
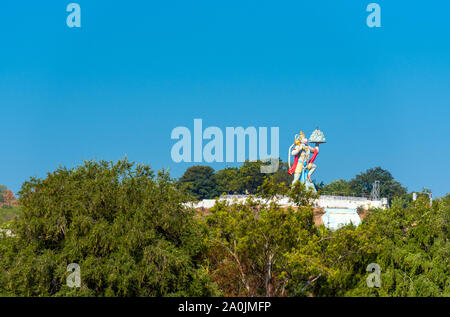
{"type": "Point", "coordinates": [135, 70]}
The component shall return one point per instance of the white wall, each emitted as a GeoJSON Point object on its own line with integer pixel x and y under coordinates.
{"type": "Point", "coordinates": [349, 202]}
{"type": "Point", "coordinates": [323, 202]}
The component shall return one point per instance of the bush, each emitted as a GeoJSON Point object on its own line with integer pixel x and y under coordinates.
{"type": "Point", "coordinates": [8, 213]}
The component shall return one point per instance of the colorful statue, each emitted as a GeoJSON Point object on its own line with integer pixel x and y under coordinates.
{"type": "Point", "coordinates": [304, 166]}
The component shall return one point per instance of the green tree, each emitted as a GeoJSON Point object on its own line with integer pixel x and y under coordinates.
{"type": "Point", "coordinates": [228, 181]}
{"type": "Point", "coordinates": [271, 189]}
{"type": "Point", "coordinates": [389, 188]}
{"type": "Point", "coordinates": [282, 175]}
{"type": "Point", "coordinates": [409, 241]}
{"type": "Point", "coordinates": [200, 182]}
{"type": "Point", "coordinates": [339, 187]}
{"type": "Point", "coordinates": [258, 248]}
{"type": "Point", "coordinates": [8, 213]}
{"type": "Point", "coordinates": [251, 177]}
{"type": "Point", "coordinates": [248, 246]}
{"type": "Point", "coordinates": [263, 249]}
{"type": "Point", "coordinates": [301, 196]}
{"type": "Point", "coordinates": [412, 249]}
{"type": "Point", "coordinates": [127, 228]}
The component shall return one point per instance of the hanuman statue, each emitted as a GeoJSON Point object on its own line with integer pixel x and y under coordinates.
{"type": "Point", "coordinates": [305, 155]}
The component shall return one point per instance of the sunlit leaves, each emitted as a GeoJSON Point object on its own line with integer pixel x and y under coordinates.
{"type": "Point", "coordinates": [127, 229]}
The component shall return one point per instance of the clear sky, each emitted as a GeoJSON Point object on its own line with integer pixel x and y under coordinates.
{"type": "Point", "coordinates": [135, 70]}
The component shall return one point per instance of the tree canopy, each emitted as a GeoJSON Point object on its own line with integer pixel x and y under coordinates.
{"type": "Point", "coordinates": [126, 227]}
{"type": "Point", "coordinates": [199, 181]}
{"type": "Point", "coordinates": [362, 184]}
{"type": "Point", "coordinates": [133, 234]}
{"type": "Point", "coordinates": [202, 182]}
{"type": "Point", "coordinates": [267, 250]}
{"type": "Point", "coordinates": [389, 187]}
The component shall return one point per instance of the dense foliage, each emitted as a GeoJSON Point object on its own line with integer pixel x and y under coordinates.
{"type": "Point", "coordinates": [199, 182]}
{"type": "Point", "coordinates": [132, 234]}
{"type": "Point", "coordinates": [124, 226]}
{"type": "Point", "coordinates": [266, 250]}
{"type": "Point", "coordinates": [8, 213]}
{"type": "Point", "coordinates": [203, 182]}
{"type": "Point", "coordinates": [362, 184]}
{"type": "Point", "coordinates": [252, 246]}
{"type": "Point", "coordinates": [412, 249]}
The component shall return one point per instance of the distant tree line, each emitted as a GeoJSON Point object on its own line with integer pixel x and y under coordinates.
{"type": "Point", "coordinates": [203, 182]}
{"type": "Point", "coordinates": [362, 184]}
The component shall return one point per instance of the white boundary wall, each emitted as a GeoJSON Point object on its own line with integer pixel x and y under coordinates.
{"type": "Point", "coordinates": [350, 202]}
{"type": "Point", "coordinates": [341, 202]}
